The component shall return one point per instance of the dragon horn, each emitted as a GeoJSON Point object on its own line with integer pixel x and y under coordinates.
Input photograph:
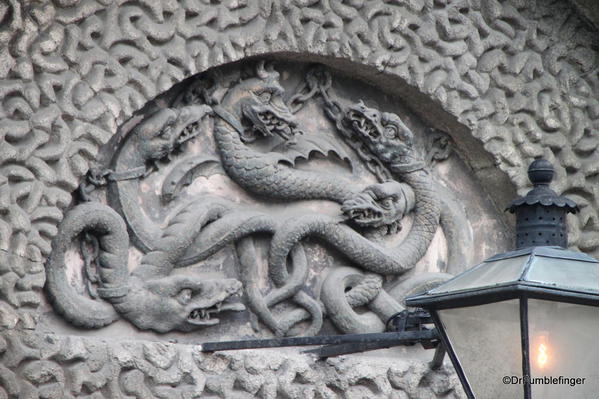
{"type": "Point", "coordinates": [106, 223]}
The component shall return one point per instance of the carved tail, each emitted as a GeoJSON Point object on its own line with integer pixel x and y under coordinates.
{"type": "Point", "coordinates": [107, 225]}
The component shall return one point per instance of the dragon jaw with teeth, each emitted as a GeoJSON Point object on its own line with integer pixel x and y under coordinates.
{"type": "Point", "coordinates": [167, 129]}
{"type": "Point", "coordinates": [149, 297]}
{"type": "Point", "coordinates": [383, 134]}
{"type": "Point", "coordinates": [380, 205]}
{"type": "Point", "coordinates": [267, 121]}
{"type": "Point", "coordinates": [153, 139]}
{"type": "Point", "coordinates": [255, 109]}
{"type": "Point", "coordinates": [178, 302]}
{"type": "Point", "coordinates": [262, 106]}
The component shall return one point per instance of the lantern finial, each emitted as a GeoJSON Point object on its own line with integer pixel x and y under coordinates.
{"type": "Point", "coordinates": [540, 172]}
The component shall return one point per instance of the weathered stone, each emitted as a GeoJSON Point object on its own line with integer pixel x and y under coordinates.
{"type": "Point", "coordinates": [184, 137]}
{"type": "Point", "coordinates": [160, 355]}
{"type": "Point", "coordinates": [42, 372]}
{"type": "Point", "coordinates": [73, 348]}
{"type": "Point", "coordinates": [462, 67]}
{"type": "Point", "coordinates": [8, 316]}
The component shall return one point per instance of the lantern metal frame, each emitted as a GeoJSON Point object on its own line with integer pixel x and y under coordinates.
{"type": "Point", "coordinates": [513, 289]}
{"type": "Point", "coordinates": [540, 233]}
{"type": "Point", "coordinates": [521, 289]}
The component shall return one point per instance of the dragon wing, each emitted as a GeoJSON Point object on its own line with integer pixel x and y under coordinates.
{"type": "Point", "coordinates": [306, 146]}
{"type": "Point", "coordinates": [189, 168]}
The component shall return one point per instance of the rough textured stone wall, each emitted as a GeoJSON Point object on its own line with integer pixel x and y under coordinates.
{"type": "Point", "coordinates": [57, 367]}
{"type": "Point", "coordinates": [518, 76]}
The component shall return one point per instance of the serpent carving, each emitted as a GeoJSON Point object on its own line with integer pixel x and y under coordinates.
{"type": "Point", "coordinates": [258, 101]}
{"type": "Point", "coordinates": [150, 297]}
{"type": "Point", "coordinates": [377, 207]}
{"type": "Point", "coordinates": [160, 133]}
{"type": "Point", "coordinates": [385, 136]}
{"type": "Point", "coordinates": [255, 134]}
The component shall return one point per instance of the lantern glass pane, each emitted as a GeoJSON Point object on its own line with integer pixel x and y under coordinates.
{"type": "Point", "coordinates": [563, 349]}
{"type": "Point", "coordinates": [484, 275]}
{"type": "Point", "coordinates": [487, 342]}
{"type": "Point", "coordinates": [565, 273]}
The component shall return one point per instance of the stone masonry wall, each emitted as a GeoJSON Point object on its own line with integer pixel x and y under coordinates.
{"type": "Point", "coordinates": [512, 79]}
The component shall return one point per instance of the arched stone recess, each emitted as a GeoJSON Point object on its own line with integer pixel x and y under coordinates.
{"type": "Point", "coordinates": [520, 75]}
{"type": "Point", "coordinates": [267, 178]}
{"type": "Point", "coordinates": [517, 78]}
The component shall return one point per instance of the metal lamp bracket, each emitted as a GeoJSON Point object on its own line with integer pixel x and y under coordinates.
{"type": "Point", "coordinates": [406, 328]}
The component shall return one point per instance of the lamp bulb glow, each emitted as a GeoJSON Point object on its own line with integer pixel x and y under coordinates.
{"type": "Point", "coordinates": [543, 353]}
{"type": "Point", "coordinates": [542, 357]}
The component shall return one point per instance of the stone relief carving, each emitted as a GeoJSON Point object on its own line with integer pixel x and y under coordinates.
{"type": "Point", "coordinates": [78, 69]}
{"type": "Point", "coordinates": [151, 298]}
{"type": "Point", "coordinates": [259, 141]}
{"type": "Point", "coordinates": [520, 75]}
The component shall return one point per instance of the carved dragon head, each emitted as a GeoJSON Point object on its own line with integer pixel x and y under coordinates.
{"type": "Point", "coordinates": [380, 205]}
{"type": "Point", "coordinates": [178, 302]}
{"type": "Point", "coordinates": [168, 128]}
{"type": "Point", "coordinates": [258, 103]}
{"type": "Point", "coordinates": [381, 134]}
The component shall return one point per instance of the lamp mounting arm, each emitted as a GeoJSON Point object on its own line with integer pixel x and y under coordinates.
{"type": "Point", "coordinates": [405, 328]}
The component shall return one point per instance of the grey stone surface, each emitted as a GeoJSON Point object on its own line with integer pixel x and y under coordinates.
{"type": "Point", "coordinates": [508, 80]}
{"type": "Point", "coordinates": [51, 366]}
{"type": "Point", "coordinates": [221, 168]}
{"type": "Point", "coordinates": [588, 10]}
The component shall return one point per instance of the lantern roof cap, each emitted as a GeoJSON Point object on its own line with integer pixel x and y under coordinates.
{"type": "Point", "coordinates": [540, 174]}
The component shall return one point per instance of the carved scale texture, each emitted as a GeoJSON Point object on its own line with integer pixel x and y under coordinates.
{"type": "Point", "coordinates": [426, 218]}
{"type": "Point", "coordinates": [520, 74]}
{"type": "Point", "coordinates": [363, 252]}
{"type": "Point", "coordinates": [261, 174]}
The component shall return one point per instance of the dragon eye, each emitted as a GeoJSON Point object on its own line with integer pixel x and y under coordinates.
{"type": "Point", "coordinates": [165, 132]}
{"type": "Point", "coordinates": [387, 203]}
{"type": "Point", "coordinates": [265, 96]}
{"type": "Point", "coordinates": [184, 296]}
{"type": "Point", "coordinates": [390, 131]}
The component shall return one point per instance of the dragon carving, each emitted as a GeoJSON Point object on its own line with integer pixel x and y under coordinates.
{"type": "Point", "coordinates": [150, 297]}
{"type": "Point", "coordinates": [258, 141]}
{"type": "Point", "coordinates": [386, 137]}
{"type": "Point", "coordinates": [258, 101]}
